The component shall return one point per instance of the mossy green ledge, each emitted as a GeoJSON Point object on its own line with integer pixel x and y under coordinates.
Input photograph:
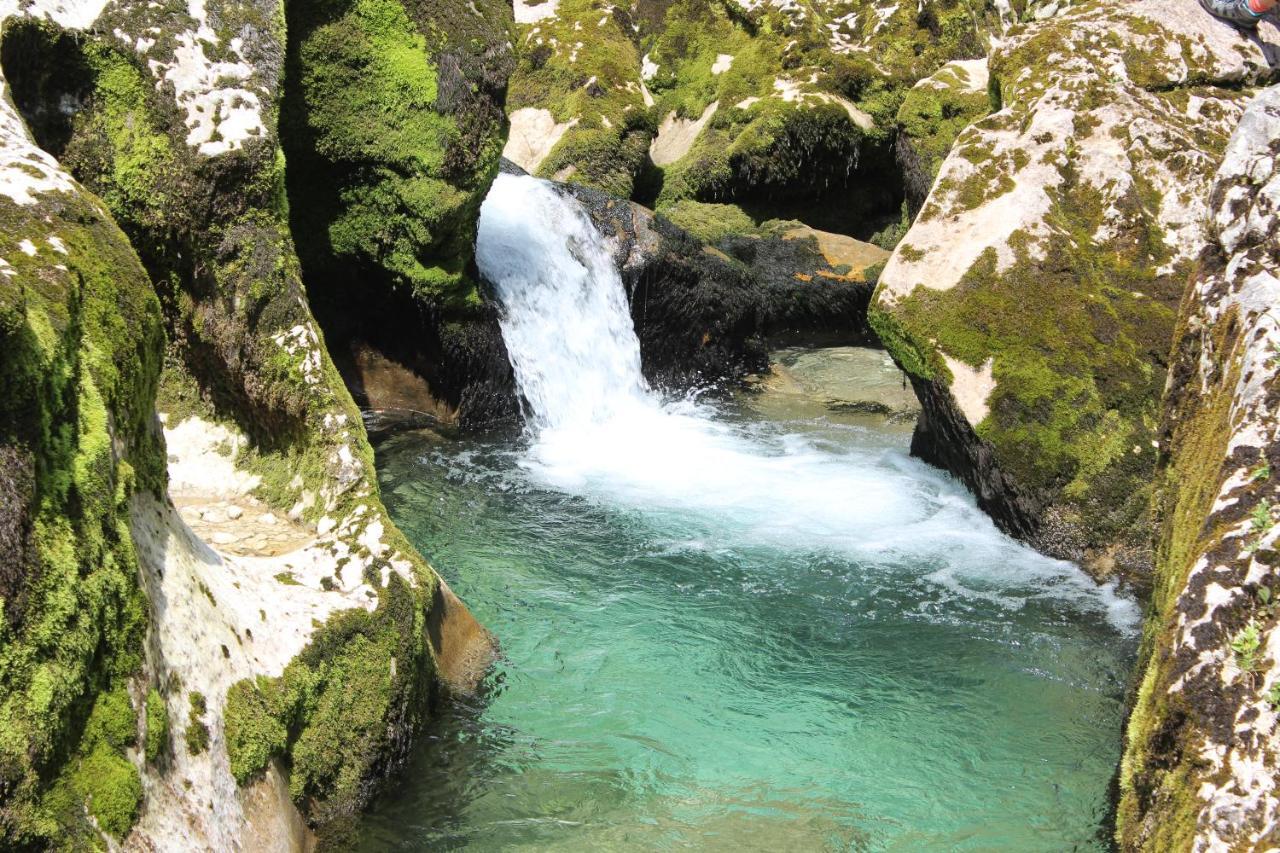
{"type": "Point", "coordinates": [1033, 300]}
{"type": "Point", "coordinates": [724, 100]}
{"type": "Point", "coordinates": [350, 633]}
{"type": "Point", "coordinates": [1202, 748]}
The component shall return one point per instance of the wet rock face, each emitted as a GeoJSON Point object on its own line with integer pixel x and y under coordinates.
{"type": "Point", "coordinates": [708, 313]}
{"type": "Point", "coordinates": [1203, 743]}
{"type": "Point", "coordinates": [1034, 297]}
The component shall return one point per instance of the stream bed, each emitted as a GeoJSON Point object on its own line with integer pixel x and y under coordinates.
{"type": "Point", "coordinates": [733, 626]}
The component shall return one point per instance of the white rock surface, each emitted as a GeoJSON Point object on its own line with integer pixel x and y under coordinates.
{"type": "Point", "coordinates": [534, 133]}
{"type": "Point", "coordinates": [677, 135]}
{"type": "Point", "coordinates": [1233, 770]}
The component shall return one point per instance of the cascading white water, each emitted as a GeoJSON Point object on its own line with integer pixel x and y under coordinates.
{"type": "Point", "coordinates": [597, 430]}
{"type": "Point", "coordinates": [565, 319]}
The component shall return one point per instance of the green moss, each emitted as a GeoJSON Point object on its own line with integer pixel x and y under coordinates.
{"type": "Point", "coordinates": [584, 65]}
{"type": "Point", "coordinates": [404, 174]}
{"type": "Point", "coordinates": [254, 728]}
{"type": "Point", "coordinates": [607, 159]}
{"type": "Point", "coordinates": [1187, 487]}
{"type": "Point", "coordinates": [332, 711]}
{"type": "Point", "coordinates": [113, 721]}
{"type": "Point", "coordinates": [931, 117]}
{"type": "Point", "coordinates": [80, 343]}
{"type": "Point", "coordinates": [710, 223]}
{"type": "Point", "coordinates": [197, 736]}
{"type": "Point", "coordinates": [157, 726]}
{"type": "Point", "coordinates": [775, 149]}
{"type": "Point", "coordinates": [911, 356]}
{"type": "Point", "coordinates": [99, 776]}
{"type": "Point", "coordinates": [1076, 338]}
{"type": "Point", "coordinates": [112, 789]}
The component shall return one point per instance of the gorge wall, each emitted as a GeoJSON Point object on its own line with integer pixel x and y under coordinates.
{"type": "Point", "coordinates": [214, 636]}
{"type": "Point", "coordinates": [1201, 764]}
{"type": "Point", "coordinates": [1080, 208]}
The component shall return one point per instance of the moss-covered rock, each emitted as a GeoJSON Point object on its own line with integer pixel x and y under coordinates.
{"type": "Point", "coordinates": [80, 348]}
{"type": "Point", "coordinates": [770, 104]}
{"type": "Point", "coordinates": [1203, 748]}
{"type": "Point", "coordinates": [400, 107]}
{"type": "Point", "coordinates": [170, 115]}
{"type": "Point", "coordinates": [1033, 299]}
{"type": "Point", "coordinates": [933, 113]}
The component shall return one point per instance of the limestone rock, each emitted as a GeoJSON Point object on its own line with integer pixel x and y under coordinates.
{"type": "Point", "coordinates": [1203, 751]}
{"type": "Point", "coordinates": [720, 100]}
{"type": "Point", "coordinates": [1033, 299]}
{"type": "Point", "coordinates": [168, 115]}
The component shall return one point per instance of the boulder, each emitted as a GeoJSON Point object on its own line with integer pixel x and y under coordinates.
{"type": "Point", "coordinates": [81, 341]}
{"type": "Point", "coordinates": [706, 313]}
{"type": "Point", "coordinates": [1034, 297]}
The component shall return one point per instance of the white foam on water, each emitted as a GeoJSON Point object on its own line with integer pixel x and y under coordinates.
{"type": "Point", "coordinates": [599, 431]}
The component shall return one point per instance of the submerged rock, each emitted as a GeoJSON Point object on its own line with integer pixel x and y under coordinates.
{"type": "Point", "coordinates": [856, 384]}
{"type": "Point", "coordinates": [1033, 300]}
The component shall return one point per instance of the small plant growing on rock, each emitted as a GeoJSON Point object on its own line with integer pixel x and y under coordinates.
{"type": "Point", "coordinates": [1261, 472]}
{"type": "Point", "coordinates": [1260, 523]}
{"type": "Point", "coordinates": [1273, 695]}
{"type": "Point", "coordinates": [157, 725]}
{"type": "Point", "coordinates": [1268, 601]}
{"type": "Point", "coordinates": [1261, 517]}
{"type": "Point", "coordinates": [1246, 645]}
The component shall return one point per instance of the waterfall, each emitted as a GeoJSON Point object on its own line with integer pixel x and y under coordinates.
{"type": "Point", "coordinates": [565, 317]}
{"type": "Point", "coordinates": [597, 430]}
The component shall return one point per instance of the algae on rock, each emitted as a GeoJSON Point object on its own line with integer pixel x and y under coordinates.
{"type": "Point", "coordinates": [1202, 744]}
{"type": "Point", "coordinates": [1034, 297]}
{"type": "Point", "coordinates": [169, 115]}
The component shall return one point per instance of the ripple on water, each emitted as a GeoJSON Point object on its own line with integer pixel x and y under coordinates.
{"type": "Point", "coordinates": [725, 633]}
{"type": "Point", "coordinates": [671, 682]}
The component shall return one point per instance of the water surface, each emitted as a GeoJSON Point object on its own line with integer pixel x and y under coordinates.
{"type": "Point", "coordinates": [726, 631]}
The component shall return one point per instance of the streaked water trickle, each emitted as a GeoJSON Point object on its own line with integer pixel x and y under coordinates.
{"type": "Point", "coordinates": [727, 633]}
